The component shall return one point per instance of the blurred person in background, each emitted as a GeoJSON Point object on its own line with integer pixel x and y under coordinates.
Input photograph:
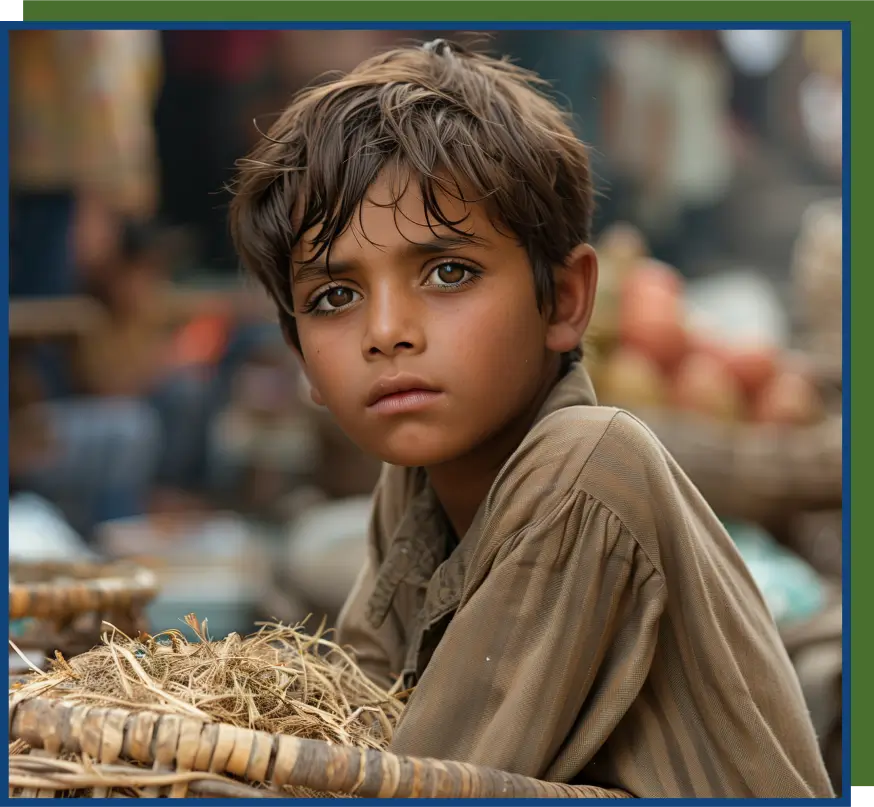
{"type": "Point", "coordinates": [92, 460]}
{"type": "Point", "coordinates": [81, 158]}
{"type": "Point", "coordinates": [135, 354]}
{"type": "Point", "coordinates": [753, 57]}
{"type": "Point", "coordinates": [82, 163]}
{"type": "Point", "coordinates": [820, 100]}
{"type": "Point", "coordinates": [576, 66]}
{"type": "Point", "coordinates": [80, 147]}
{"type": "Point", "coordinates": [668, 132]}
{"type": "Point", "coordinates": [213, 82]}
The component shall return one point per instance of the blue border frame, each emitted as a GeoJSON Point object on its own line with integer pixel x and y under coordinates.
{"type": "Point", "coordinates": [436, 26]}
{"type": "Point", "coordinates": [496, 26]}
{"type": "Point", "coordinates": [4, 258]}
{"type": "Point", "coordinates": [846, 442]}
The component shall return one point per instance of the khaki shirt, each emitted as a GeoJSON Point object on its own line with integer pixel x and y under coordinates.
{"type": "Point", "coordinates": [595, 625]}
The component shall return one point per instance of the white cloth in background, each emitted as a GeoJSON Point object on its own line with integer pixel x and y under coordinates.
{"type": "Point", "coordinates": [690, 85]}
{"type": "Point", "coordinates": [756, 52]}
{"type": "Point", "coordinates": [327, 548]}
{"type": "Point", "coordinates": [702, 161]}
{"type": "Point", "coordinates": [38, 532]}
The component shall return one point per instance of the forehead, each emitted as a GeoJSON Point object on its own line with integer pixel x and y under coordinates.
{"type": "Point", "coordinates": [393, 215]}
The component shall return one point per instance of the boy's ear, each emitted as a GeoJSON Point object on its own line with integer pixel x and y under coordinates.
{"type": "Point", "coordinates": [575, 284]}
{"type": "Point", "coordinates": [286, 323]}
{"type": "Point", "coordinates": [315, 395]}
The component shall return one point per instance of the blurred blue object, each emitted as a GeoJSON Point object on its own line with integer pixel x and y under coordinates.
{"type": "Point", "coordinates": [791, 587]}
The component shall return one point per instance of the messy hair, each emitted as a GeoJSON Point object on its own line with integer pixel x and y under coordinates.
{"type": "Point", "coordinates": [451, 117]}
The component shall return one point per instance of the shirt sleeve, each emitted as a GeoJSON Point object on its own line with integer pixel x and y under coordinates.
{"type": "Point", "coordinates": [378, 650]}
{"type": "Point", "coordinates": [555, 642]}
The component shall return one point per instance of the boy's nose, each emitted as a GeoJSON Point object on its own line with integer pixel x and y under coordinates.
{"type": "Point", "coordinates": [393, 326]}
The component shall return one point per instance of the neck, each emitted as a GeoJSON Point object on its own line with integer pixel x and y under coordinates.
{"type": "Point", "coordinates": [462, 483]}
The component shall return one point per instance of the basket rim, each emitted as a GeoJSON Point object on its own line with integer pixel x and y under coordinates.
{"type": "Point", "coordinates": [189, 744]}
{"type": "Point", "coordinates": [114, 585]}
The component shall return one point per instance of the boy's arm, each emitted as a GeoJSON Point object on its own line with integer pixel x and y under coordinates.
{"type": "Point", "coordinates": [377, 650]}
{"type": "Point", "coordinates": [560, 633]}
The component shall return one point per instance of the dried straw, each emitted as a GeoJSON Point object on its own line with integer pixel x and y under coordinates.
{"type": "Point", "coordinates": [280, 680]}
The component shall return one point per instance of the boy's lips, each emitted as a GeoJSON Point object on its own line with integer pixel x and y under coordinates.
{"type": "Point", "coordinates": [401, 393]}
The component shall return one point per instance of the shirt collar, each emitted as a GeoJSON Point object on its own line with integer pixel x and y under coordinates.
{"type": "Point", "coordinates": [420, 552]}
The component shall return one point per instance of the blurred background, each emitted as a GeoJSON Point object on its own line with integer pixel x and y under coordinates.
{"type": "Point", "coordinates": [156, 415]}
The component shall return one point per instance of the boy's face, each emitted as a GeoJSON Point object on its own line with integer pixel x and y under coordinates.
{"type": "Point", "coordinates": [423, 345]}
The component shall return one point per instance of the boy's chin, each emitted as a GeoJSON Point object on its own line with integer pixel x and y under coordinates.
{"type": "Point", "coordinates": [416, 458]}
{"type": "Point", "coordinates": [416, 454]}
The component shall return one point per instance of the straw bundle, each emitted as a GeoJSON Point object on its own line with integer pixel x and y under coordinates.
{"type": "Point", "coordinates": [274, 714]}
{"type": "Point", "coordinates": [279, 680]}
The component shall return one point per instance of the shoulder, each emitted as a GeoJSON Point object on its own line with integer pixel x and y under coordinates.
{"type": "Point", "coordinates": [570, 450]}
{"type": "Point", "coordinates": [548, 467]}
{"type": "Point", "coordinates": [593, 457]}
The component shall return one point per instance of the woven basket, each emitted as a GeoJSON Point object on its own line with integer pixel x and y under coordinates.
{"type": "Point", "coordinates": [63, 605]}
{"type": "Point", "coordinates": [756, 472]}
{"type": "Point", "coordinates": [193, 758]}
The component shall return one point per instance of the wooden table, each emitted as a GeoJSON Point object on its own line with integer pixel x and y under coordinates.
{"type": "Point", "coordinates": [77, 315]}
{"type": "Point", "coordinates": [53, 319]}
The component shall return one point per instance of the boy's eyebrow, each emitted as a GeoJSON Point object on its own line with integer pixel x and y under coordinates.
{"type": "Point", "coordinates": [315, 269]}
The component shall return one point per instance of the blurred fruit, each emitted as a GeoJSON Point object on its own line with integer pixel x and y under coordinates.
{"type": "Point", "coordinates": [705, 385]}
{"type": "Point", "coordinates": [649, 273]}
{"type": "Point", "coordinates": [703, 343]}
{"type": "Point", "coordinates": [753, 367]}
{"type": "Point", "coordinates": [651, 321]}
{"type": "Point", "coordinates": [631, 380]}
{"type": "Point", "coordinates": [789, 399]}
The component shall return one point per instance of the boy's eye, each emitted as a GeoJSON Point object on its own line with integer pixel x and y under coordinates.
{"type": "Point", "coordinates": [450, 273]}
{"type": "Point", "coordinates": [335, 298]}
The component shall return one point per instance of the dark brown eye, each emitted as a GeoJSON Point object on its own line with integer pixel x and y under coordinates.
{"type": "Point", "coordinates": [450, 273]}
{"type": "Point", "coordinates": [335, 299]}
{"type": "Point", "coordinates": [339, 297]}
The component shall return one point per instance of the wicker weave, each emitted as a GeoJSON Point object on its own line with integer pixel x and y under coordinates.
{"type": "Point", "coordinates": [65, 604]}
{"type": "Point", "coordinates": [189, 757]}
{"type": "Point", "coordinates": [756, 472]}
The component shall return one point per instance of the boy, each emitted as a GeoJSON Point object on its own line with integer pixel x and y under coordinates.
{"type": "Point", "coordinates": [562, 599]}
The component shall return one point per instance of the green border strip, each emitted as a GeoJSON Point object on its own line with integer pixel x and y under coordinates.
{"type": "Point", "coordinates": [861, 443]}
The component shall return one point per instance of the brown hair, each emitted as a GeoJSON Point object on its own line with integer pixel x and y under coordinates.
{"type": "Point", "coordinates": [450, 116]}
